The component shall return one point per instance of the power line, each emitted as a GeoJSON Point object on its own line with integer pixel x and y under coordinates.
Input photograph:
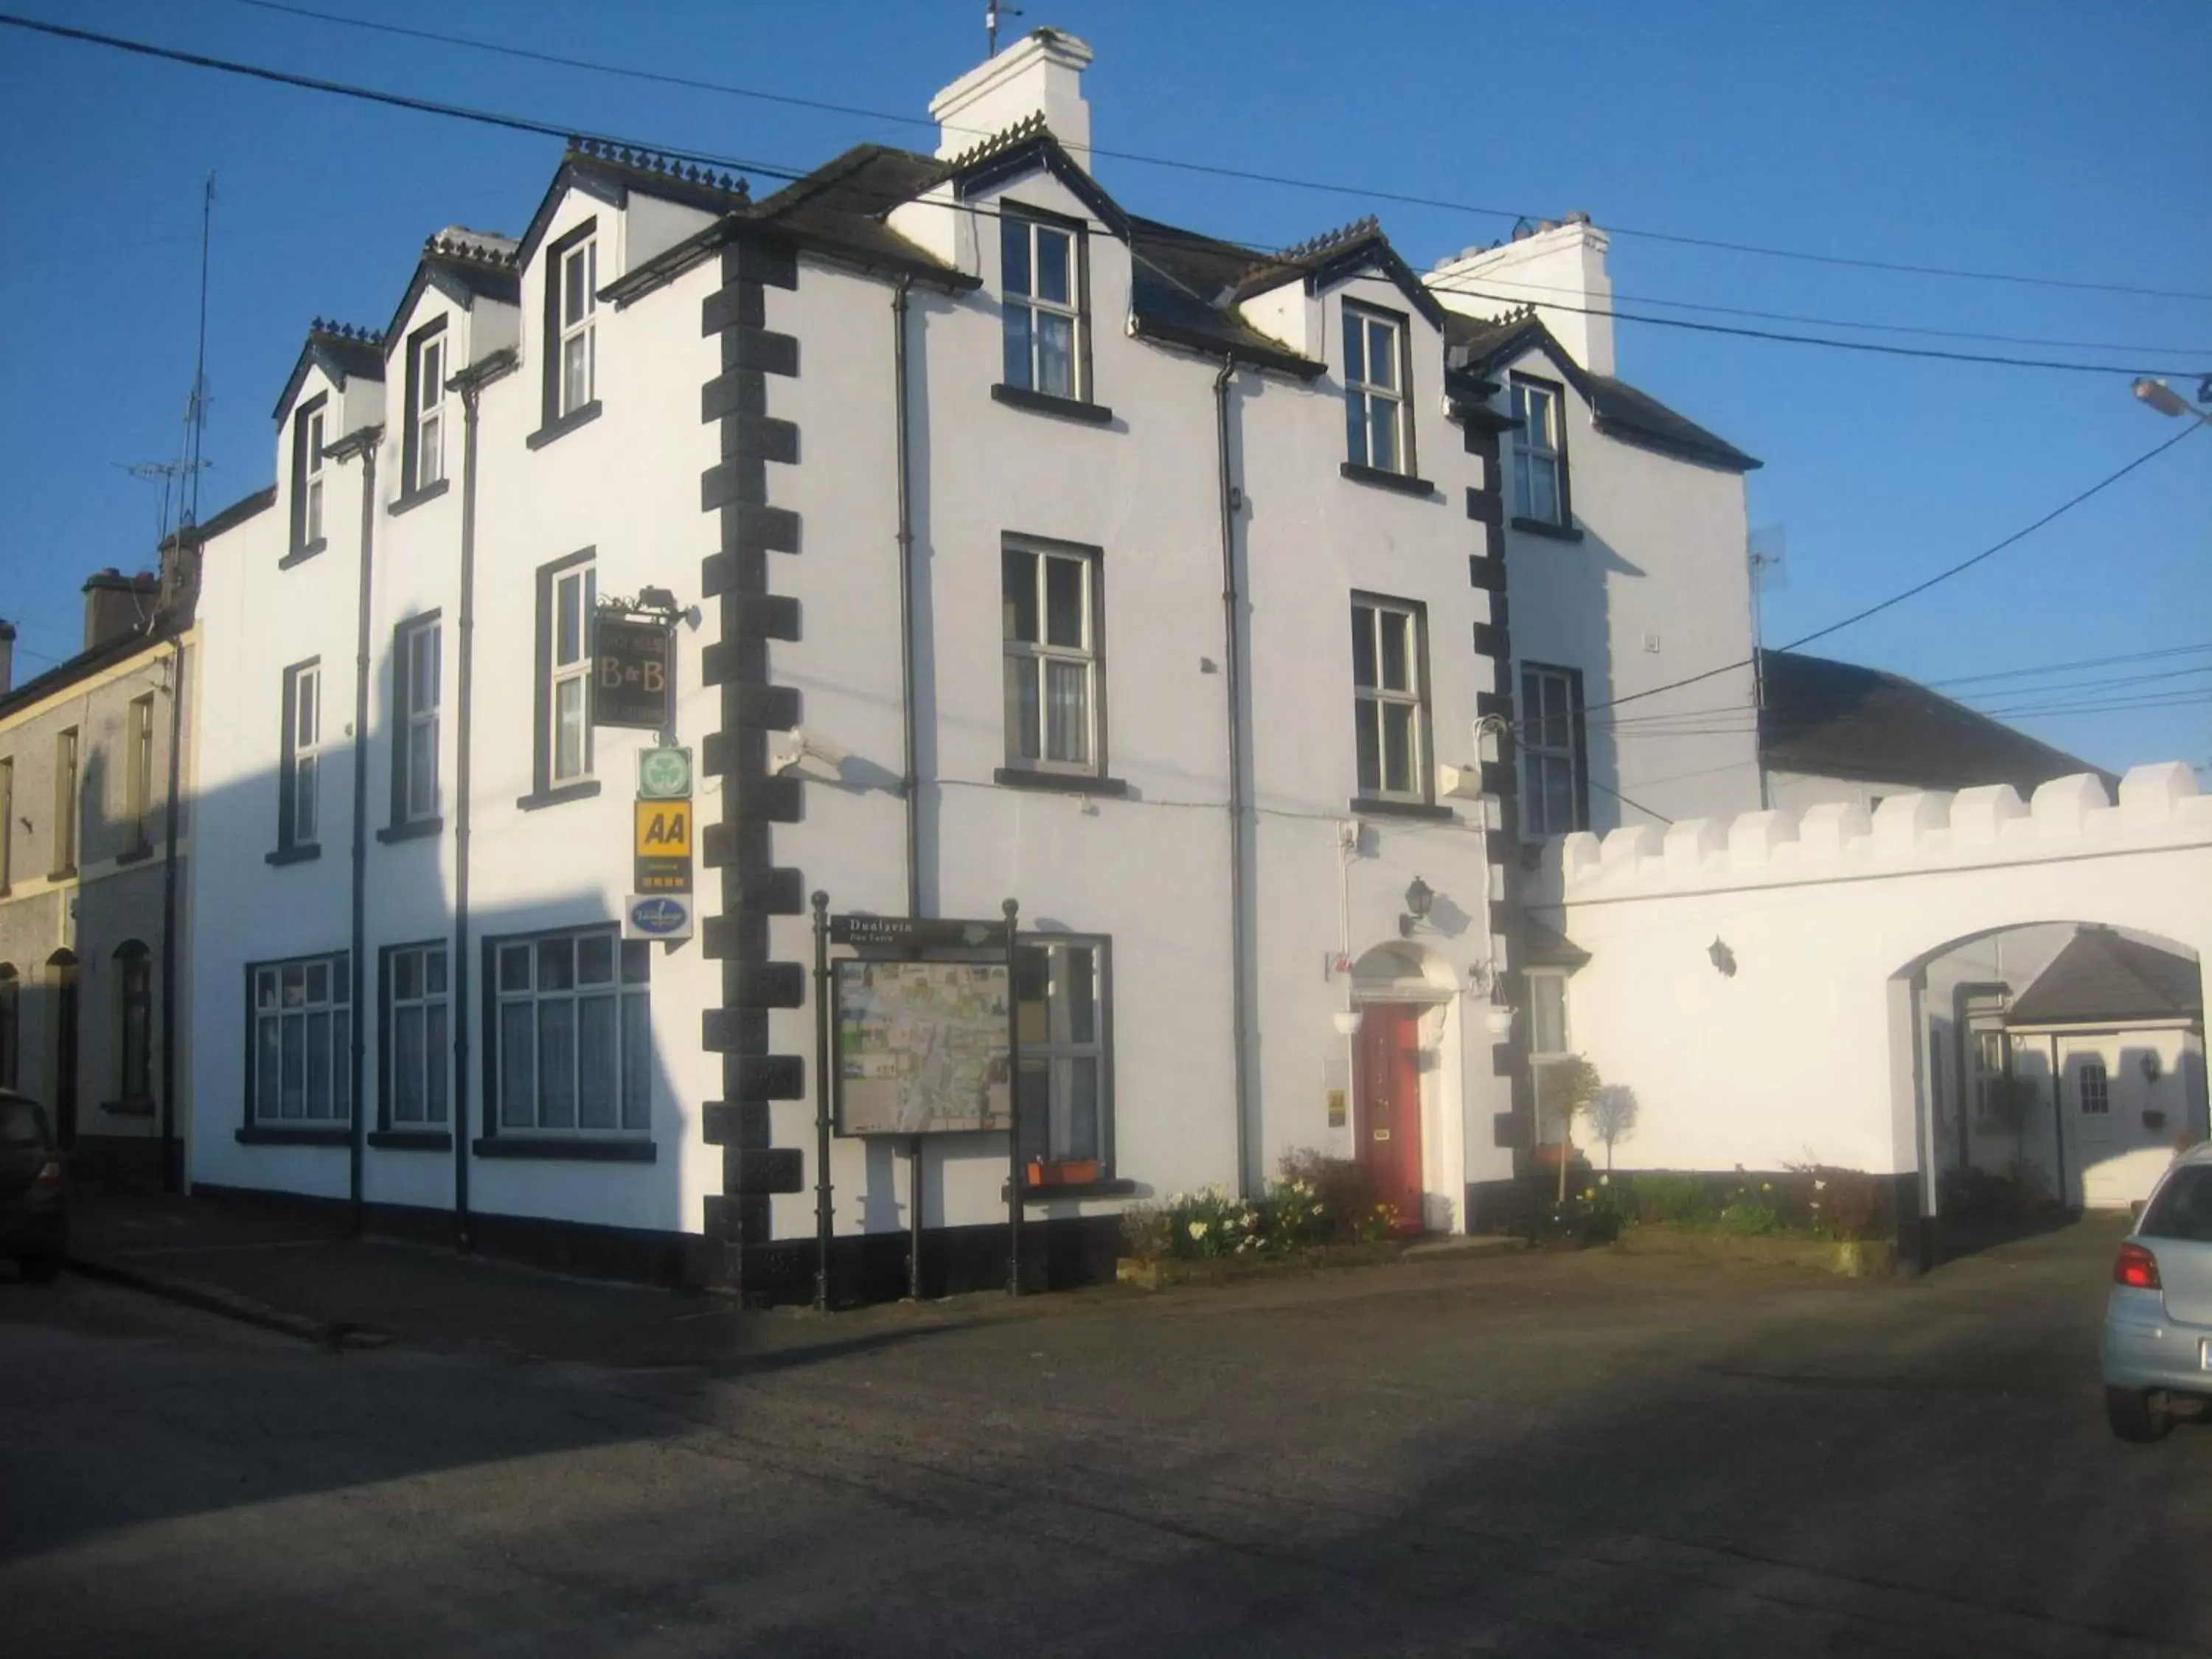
{"type": "Point", "coordinates": [1943, 575]}
{"type": "Point", "coordinates": [2086, 662]}
{"type": "Point", "coordinates": [547, 129]}
{"type": "Point", "coordinates": [1365, 193]}
{"type": "Point", "coordinates": [1878, 347]}
{"type": "Point", "coordinates": [2107, 684]}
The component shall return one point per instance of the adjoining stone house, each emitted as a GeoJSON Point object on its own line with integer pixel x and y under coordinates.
{"type": "Point", "coordinates": [91, 874]}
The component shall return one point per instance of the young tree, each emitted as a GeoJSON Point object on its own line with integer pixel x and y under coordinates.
{"type": "Point", "coordinates": [1564, 1087]}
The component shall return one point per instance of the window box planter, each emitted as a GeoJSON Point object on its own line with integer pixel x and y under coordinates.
{"type": "Point", "coordinates": [1064, 1172]}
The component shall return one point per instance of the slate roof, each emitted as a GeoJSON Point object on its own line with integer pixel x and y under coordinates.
{"type": "Point", "coordinates": [2105, 976]}
{"type": "Point", "coordinates": [1179, 290]}
{"type": "Point", "coordinates": [1839, 719]}
{"type": "Point", "coordinates": [341, 351]}
{"type": "Point", "coordinates": [1620, 410]}
{"type": "Point", "coordinates": [1548, 947]}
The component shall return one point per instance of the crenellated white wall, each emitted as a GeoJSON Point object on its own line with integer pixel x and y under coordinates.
{"type": "Point", "coordinates": [1805, 1052]}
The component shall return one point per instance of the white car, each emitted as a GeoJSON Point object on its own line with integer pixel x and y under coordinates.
{"type": "Point", "coordinates": [2158, 1319]}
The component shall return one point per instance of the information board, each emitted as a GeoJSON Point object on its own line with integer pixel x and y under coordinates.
{"type": "Point", "coordinates": [921, 1047]}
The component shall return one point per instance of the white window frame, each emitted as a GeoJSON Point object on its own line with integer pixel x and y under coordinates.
{"type": "Point", "coordinates": [577, 328]}
{"type": "Point", "coordinates": [1543, 982]}
{"type": "Point", "coordinates": [1547, 741]}
{"type": "Point", "coordinates": [1372, 702]}
{"type": "Point", "coordinates": [281, 1004]}
{"type": "Point", "coordinates": [2088, 1072]}
{"type": "Point", "coordinates": [1024, 306]}
{"type": "Point", "coordinates": [310, 512]}
{"type": "Point", "coordinates": [138, 777]}
{"type": "Point", "coordinates": [430, 1005]}
{"type": "Point", "coordinates": [421, 646]}
{"type": "Point", "coordinates": [1538, 451]}
{"type": "Point", "coordinates": [1365, 396]}
{"type": "Point", "coordinates": [1033, 667]}
{"type": "Point", "coordinates": [569, 677]}
{"type": "Point", "coordinates": [516, 969]}
{"type": "Point", "coordinates": [1059, 1050]}
{"type": "Point", "coordinates": [302, 779]}
{"type": "Point", "coordinates": [7, 831]}
{"type": "Point", "coordinates": [428, 377]}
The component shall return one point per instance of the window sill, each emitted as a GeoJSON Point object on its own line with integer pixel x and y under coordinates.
{"type": "Point", "coordinates": [582, 789]}
{"type": "Point", "coordinates": [583, 415]}
{"type": "Point", "coordinates": [67, 872]}
{"type": "Point", "coordinates": [135, 1106]}
{"type": "Point", "coordinates": [1404, 484]}
{"type": "Point", "coordinates": [1044, 402]}
{"type": "Point", "coordinates": [137, 854]}
{"type": "Point", "coordinates": [1104, 1188]}
{"type": "Point", "coordinates": [299, 854]}
{"type": "Point", "coordinates": [420, 829]}
{"type": "Point", "coordinates": [301, 554]}
{"type": "Point", "coordinates": [411, 1140]}
{"type": "Point", "coordinates": [269, 1135]}
{"type": "Point", "coordinates": [1064, 783]}
{"type": "Point", "coordinates": [1376, 807]}
{"type": "Point", "coordinates": [579, 1149]}
{"type": "Point", "coordinates": [1558, 532]}
{"type": "Point", "coordinates": [414, 498]}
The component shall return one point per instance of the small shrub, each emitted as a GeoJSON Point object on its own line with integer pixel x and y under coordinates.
{"type": "Point", "coordinates": [1341, 1188]}
{"type": "Point", "coordinates": [1145, 1232]}
{"type": "Point", "coordinates": [1843, 1204]}
{"type": "Point", "coordinates": [1379, 1225]}
{"type": "Point", "coordinates": [1747, 1217]}
{"type": "Point", "coordinates": [1671, 1201]}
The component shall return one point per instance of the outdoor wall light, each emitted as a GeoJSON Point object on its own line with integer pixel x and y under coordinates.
{"type": "Point", "coordinates": [1420, 899]}
{"type": "Point", "coordinates": [1723, 959]}
{"type": "Point", "coordinates": [2148, 1062]}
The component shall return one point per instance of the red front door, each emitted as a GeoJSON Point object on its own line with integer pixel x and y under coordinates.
{"type": "Point", "coordinates": [1386, 1106]}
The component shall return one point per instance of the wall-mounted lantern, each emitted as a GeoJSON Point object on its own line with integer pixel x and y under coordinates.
{"type": "Point", "coordinates": [2148, 1062]}
{"type": "Point", "coordinates": [1722, 958]}
{"type": "Point", "coordinates": [1420, 899]}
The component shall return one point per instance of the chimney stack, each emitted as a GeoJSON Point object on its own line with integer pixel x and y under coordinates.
{"type": "Point", "coordinates": [116, 605]}
{"type": "Point", "coordinates": [1039, 75]}
{"type": "Point", "coordinates": [1557, 268]}
{"type": "Point", "coordinates": [7, 658]}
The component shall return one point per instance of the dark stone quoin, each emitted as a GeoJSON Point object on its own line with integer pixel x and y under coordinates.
{"type": "Point", "coordinates": [741, 847]}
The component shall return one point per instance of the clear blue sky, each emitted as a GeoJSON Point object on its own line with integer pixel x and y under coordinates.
{"type": "Point", "coordinates": [2041, 137]}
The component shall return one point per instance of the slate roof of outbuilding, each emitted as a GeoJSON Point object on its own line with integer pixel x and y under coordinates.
{"type": "Point", "coordinates": [1841, 719]}
{"type": "Point", "coordinates": [2106, 976]}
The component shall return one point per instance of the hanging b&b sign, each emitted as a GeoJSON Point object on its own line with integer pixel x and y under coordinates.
{"type": "Point", "coordinates": [629, 673]}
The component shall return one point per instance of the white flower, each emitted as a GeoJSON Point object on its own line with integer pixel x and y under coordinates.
{"type": "Point", "coordinates": [1605, 1181]}
{"type": "Point", "coordinates": [1317, 1209]}
{"type": "Point", "coordinates": [1176, 1200]}
{"type": "Point", "coordinates": [1198, 1230]}
{"type": "Point", "coordinates": [1819, 1186]}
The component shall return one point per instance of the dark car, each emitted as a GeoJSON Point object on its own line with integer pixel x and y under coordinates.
{"type": "Point", "coordinates": [33, 1189]}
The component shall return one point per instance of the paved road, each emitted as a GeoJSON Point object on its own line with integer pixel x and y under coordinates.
{"type": "Point", "coordinates": [1558, 1454]}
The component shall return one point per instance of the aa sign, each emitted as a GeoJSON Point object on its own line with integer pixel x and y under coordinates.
{"type": "Point", "coordinates": [663, 828]}
{"type": "Point", "coordinates": [630, 674]}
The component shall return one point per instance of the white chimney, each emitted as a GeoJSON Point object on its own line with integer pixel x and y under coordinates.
{"type": "Point", "coordinates": [1559, 270]}
{"type": "Point", "coordinates": [1040, 74]}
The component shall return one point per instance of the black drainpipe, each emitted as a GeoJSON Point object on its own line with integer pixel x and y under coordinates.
{"type": "Point", "coordinates": [1233, 665]}
{"type": "Point", "coordinates": [469, 382]}
{"type": "Point", "coordinates": [363, 443]}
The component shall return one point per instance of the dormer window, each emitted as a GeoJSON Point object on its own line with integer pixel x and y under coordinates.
{"type": "Point", "coordinates": [307, 476]}
{"type": "Point", "coordinates": [426, 407]}
{"type": "Point", "coordinates": [1374, 390]}
{"type": "Point", "coordinates": [1041, 270]}
{"type": "Point", "coordinates": [1539, 456]}
{"type": "Point", "coordinates": [577, 277]}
